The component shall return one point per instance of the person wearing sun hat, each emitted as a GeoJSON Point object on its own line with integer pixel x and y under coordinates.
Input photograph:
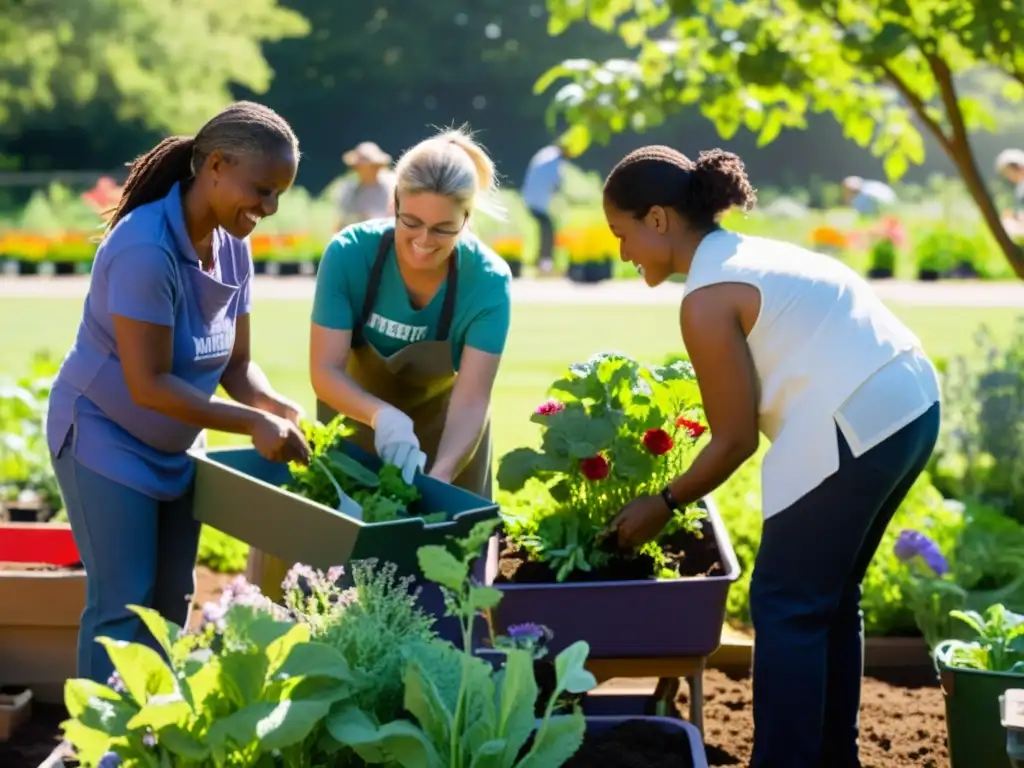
{"type": "Point", "coordinates": [867, 196]}
{"type": "Point", "coordinates": [369, 194]}
{"type": "Point", "coordinates": [1010, 165]}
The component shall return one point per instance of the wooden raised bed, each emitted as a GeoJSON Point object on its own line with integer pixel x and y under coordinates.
{"type": "Point", "coordinates": [737, 650]}
{"type": "Point", "coordinates": [42, 594]}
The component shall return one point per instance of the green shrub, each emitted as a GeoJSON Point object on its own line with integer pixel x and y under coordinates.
{"type": "Point", "coordinates": [222, 553]}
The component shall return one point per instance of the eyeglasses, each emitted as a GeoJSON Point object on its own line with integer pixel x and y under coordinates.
{"type": "Point", "coordinates": [414, 224]}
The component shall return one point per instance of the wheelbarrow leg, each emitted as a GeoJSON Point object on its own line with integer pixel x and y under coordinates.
{"type": "Point", "coordinates": [663, 702]}
{"type": "Point", "coordinates": [696, 683]}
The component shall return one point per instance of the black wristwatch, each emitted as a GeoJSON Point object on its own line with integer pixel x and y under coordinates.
{"type": "Point", "coordinates": [670, 500]}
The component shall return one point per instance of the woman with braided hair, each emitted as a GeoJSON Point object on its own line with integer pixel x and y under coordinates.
{"type": "Point", "coordinates": [165, 322]}
{"type": "Point", "coordinates": [797, 346]}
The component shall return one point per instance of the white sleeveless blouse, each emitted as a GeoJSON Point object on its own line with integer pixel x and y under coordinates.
{"type": "Point", "coordinates": [826, 351]}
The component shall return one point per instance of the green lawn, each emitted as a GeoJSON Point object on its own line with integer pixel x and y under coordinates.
{"type": "Point", "coordinates": [544, 339]}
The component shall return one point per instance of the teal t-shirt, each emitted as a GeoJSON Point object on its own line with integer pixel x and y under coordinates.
{"type": "Point", "coordinates": [483, 302]}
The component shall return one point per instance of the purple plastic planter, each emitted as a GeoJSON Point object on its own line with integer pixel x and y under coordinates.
{"type": "Point", "coordinates": [597, 724]}
{"type": "Point", "coordinates": [625, 619]}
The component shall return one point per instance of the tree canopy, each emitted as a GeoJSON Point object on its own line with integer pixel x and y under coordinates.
{"type": "Point", "coordinates": [883, 69]}
{"type": "Point", "coordinates": [168, 64]}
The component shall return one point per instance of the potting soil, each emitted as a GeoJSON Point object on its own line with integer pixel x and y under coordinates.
{"type": "Point", "coordinates": [690, 555]}
{"type": "Point", "coordinates": [635, 744]}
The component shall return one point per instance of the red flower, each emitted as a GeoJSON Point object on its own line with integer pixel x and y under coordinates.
{"type": "Point", "coordinates": [549, 407]}
{"type": "Point", "coordinates": [595, 468]}
{"type": "Point", "coordinates": [658, 441]}
{"type": "Point", "coordinates": [693, 428]}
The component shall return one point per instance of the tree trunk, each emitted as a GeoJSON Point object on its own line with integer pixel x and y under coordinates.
{"type": "Point", "coordinates": [963, 158]}
{"type": "Point", "coordinates": [958, 147]}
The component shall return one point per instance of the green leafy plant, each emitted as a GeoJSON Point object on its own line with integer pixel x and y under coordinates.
{"type": "Point", "coordinates": [882, 259]}
{"type": "Point", "coordinates": [255, 697]}
{"type": "Point", "coordinates": [984, 567]}
{"type": "Point", "coordinates": [490, 719]}
{"type": "Point", "coordinates": [372, 624]}
{"type": "Point", "coordinates": [614, 429]}
{"type": "Point", "coordinates": [997, 647]}
{"type": "Point", "coordinates": [220, 552]}
{"type": "Point", "coordinates": [980, 455]}
{"type": "Point", "coordinates": [383, 495]}
{"type": "Point", "coordinates": [25, 467]}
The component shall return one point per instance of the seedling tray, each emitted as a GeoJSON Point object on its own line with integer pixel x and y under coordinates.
{"type": "Point", "coordinates": [239, 492]}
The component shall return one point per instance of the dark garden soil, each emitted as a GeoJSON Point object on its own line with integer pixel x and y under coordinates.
{"type": "Point", "coordinates": [635, 744]}
{"type": "Point", "coordinates": [899, 726]}
{"type": "Point", "coordinates": [690, 555]}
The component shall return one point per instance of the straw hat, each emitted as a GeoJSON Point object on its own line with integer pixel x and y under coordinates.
{"type": "Point", "coordinates": [366, 153]}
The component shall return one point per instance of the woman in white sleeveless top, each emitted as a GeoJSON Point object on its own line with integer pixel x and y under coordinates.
{"type": "Point", "coordinates": [797, 346]}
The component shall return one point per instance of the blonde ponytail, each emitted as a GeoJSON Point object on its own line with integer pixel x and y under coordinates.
{"type": "Point", "coordinates": [455, 165]}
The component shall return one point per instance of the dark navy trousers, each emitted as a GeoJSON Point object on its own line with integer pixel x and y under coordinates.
{"type": "Point", "coordinates": [805, 602]}
{"type": "Point", "coordinates": [136, 551]}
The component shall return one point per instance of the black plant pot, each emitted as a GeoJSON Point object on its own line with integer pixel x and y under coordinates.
{"type": "Point", "coordinates": [596, 271]}
{"type": "Point", "coordinates": [64, 268]}
{"type": "Point", "coordinates": [515, 266]}
{"type": "Point", "coordinates": [259, 267]}
{"type": "Point", "coordinates": [576, 273]}
{"type": "Point", "coordinates": [879, 273]}
{"type": "Point", "coordinates": [963, 271]}
{"type": "Point", "coordinates": [26, 267]}
{"type": "Point", "coordinates": [928, 275]}
{"type": "Point", "coordinates": [289, 268]}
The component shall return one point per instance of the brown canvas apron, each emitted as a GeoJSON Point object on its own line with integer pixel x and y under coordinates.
{"type": "Point", "coordinates": [418, 380]}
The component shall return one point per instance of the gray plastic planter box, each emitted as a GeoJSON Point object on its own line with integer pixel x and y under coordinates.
{"type": "Point", "coordinates": [239, 492]}
{"type": "Point", "coordinates": [626, 619]}
{"type": "Point", "coordinates": [601, 723]}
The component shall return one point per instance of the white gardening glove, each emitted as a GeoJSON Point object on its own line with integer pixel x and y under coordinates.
{"type": "Point", "coordinates": [395, 440]}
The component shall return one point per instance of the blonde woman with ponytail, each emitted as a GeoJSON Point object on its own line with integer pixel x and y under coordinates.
{"type": "Point", "coordinates": [411, 315]}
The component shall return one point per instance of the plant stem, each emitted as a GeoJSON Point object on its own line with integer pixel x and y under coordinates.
{"type": "Point", "coordinates": [544, 722]}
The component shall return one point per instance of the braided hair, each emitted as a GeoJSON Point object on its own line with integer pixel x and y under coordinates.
{"type": "Point", "coordinates": [698, 191]}
{"type": "Point", "coordinates": [244, 127]}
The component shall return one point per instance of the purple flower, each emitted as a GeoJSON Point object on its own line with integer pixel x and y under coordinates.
{"type": "Point", "coordinates": [335, 573]}
{"type": "Point", "coordinates": [911, 544]}
{"type": "Point", "coordinates": [296, 575]}
{"type": "Point", "coordinates": [529, 632]}
{"type": "Point", "coordinates": [109, 760]}
{"type": "Point", "coordinates": [115, 683]}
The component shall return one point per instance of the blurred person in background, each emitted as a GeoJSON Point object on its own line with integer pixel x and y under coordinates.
{"type": "Point", "coordinates": [544, 176]}
{"type": "Point", "coordinates": [867, 197]}
{"type": "Point", "coordinates": [165, 323]}
{"type": "Point", "coordinates": [369, 194]}
{"type": "Point", "coordinates": [1010, 166]}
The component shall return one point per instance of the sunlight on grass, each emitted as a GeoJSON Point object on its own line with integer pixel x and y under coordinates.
{"type": "Point", "coordinates": [544, 339]}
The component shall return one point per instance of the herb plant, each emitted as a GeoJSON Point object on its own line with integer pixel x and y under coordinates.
{"type": "Point", "coordinates": [488, 719]}
{"type": "Point", "coordinates": [254, 700]}
{"type": "Point", "coordinates": [372, 624]}
{"type": "Point", "coordinates": [383, 495]}
{"type": "Point", "coordinates": [614, 429]}
{"type": "Point", "coordinates": [997, 647]}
